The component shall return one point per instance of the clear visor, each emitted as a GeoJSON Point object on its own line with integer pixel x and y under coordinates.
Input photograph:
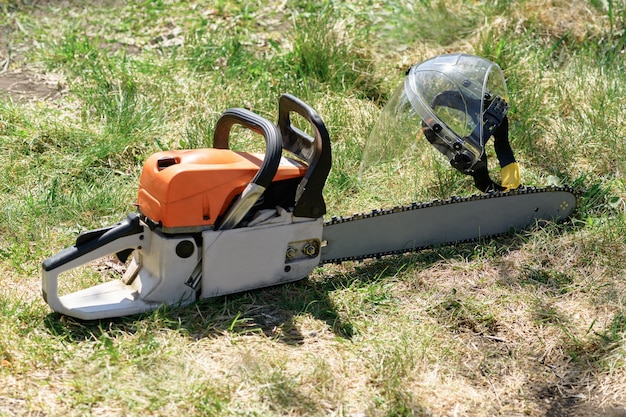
{"type": "Point", "coordinates": [446, 99]}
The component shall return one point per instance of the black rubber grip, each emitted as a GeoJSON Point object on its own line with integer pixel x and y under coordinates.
{"type": "Point", "coordinates": [260, 125]}
{"type": "Point", "coordinates": [316, 151]}
{"type": "Point", "coordinates": [92, 240]}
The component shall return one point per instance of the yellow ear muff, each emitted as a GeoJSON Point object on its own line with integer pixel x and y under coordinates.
{"type": "Point", "coordinates": [510, 176]}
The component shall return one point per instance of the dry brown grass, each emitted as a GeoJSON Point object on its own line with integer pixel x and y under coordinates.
{"type": "Point", "coordinates": [526, 325]}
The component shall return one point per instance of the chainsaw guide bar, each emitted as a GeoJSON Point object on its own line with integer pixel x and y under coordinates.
{"type": "Point", "coordinates": [418, 226]}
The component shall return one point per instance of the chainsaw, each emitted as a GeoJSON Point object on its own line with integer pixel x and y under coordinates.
{"type": "Point", "coordinates": [214, 221]}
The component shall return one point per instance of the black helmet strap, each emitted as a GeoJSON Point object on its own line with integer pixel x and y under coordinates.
{"type": "Point", "coordinates": [501, 144]}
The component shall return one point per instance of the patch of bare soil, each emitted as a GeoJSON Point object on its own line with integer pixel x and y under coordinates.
{"type": "Point", "coordinates": [24, 86]}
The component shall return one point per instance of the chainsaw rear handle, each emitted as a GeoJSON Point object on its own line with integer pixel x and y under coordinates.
{"type": "Point", "coordinates": [260, 125]}
{"type": "Point", "coordinates": [316, 151]}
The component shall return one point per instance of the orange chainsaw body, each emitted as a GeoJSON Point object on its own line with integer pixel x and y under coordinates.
{"type": "Point", "coordinates": [190, 188]}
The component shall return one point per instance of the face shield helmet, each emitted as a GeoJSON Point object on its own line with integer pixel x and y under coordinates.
{"type": "Point", "coordinates": [457, 101]}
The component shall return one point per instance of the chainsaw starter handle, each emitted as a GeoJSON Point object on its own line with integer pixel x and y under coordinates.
{"type": "Point", "coordinates": [316, 151]}
{"type": "Point", "coordinates": [260, 125]}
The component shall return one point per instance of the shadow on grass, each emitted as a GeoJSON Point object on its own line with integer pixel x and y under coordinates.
{"type": "Point", "coordinates": [269, 311]}
{"type": "Point", "coordinates": [275, 311]}
{"type": "Point", "coordinates": [272, 311]}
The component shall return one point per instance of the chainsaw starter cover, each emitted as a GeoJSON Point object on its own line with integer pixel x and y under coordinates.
{"type": "Point", "coordinates": [192, 188]}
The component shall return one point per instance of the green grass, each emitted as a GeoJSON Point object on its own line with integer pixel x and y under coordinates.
{"type": "Point", "coordinates": [528, 324]}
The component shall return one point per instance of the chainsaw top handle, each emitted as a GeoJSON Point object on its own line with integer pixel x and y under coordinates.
{"type": "Point", "coordinates": [264, 176]}
{"type": "Point", "coordinates": [316, 151]}
{"type": "Point", "coordinates": [257, 124]}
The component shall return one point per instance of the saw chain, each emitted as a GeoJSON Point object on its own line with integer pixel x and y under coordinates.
{"type": "Point", "coordinates": [335, 220]}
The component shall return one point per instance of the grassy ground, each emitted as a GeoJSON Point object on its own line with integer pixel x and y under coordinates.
{"type": "Point", "coordinates": [532, 324]}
